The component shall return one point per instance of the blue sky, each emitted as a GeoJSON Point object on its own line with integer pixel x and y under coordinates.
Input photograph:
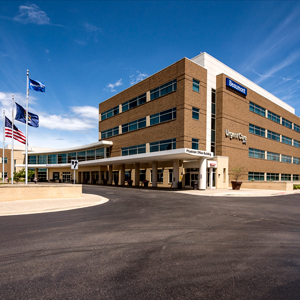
{"type": "Point", "coordinates": [87, 51]}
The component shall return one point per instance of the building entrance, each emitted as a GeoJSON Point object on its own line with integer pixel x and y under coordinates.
{"type": "Point", "coordinates": [191, 177]}
{"type": "Point", "coordinates": [211, 172]}
{"type": "Point", "coordinates": [66, 177]}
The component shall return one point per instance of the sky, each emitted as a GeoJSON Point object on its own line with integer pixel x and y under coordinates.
{"type": "Point", "coordinates": [88, 51]}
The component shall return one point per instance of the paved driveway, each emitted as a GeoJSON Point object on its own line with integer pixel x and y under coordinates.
{"type": "Point", "coordinates": [146, 244]}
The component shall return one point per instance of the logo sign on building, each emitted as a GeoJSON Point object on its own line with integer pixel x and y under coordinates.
{"type": "Point", "coordinates": [236, 86]}
{"type": "Point", "coordinates": [236, 135]}
{"type": "Point", "coordinates": [212, 164]}
{"type": "Point", "coordinates": [74, 164]}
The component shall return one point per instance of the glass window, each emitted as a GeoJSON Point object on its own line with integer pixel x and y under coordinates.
{"type": "Point", "coordinates": [296, 128]}
{"type": "Point", "coordinates": [170, 175]}
{"type": "Point", "coordinates": [273, 176]}
{"type": "Point", "coordinates": [273, 117]}
{"type": "Point", "coordinates": [134, 102]}
{"type": "Point", "coordinates": [5, 160]}
{"type": "Point", "coordinates": [296, 144]}
{"type": "Point", "coordinates": [273, 156]}
{"type": "Point", "coordinates": [110, 113]}
{"type": "Point", "coordinates": [163, 116]}
{"type": "Point", "coordinates": [295, 177]}
{"type": "Point", "coordinates": [110, 132]}
{"type": "Point", "coordinates": [71, 156]}
{"type": "Point", "coordinates": [42, 159]}
{"type": "Point", "coordinates": [127, 175]}
{"type": "Point", "coordinates": [273, 136]}
{"type": "Point", "coordinates": [256, 176]}
{"type": "Point", "coordinates": [286, 140]}
{"type": "Point", "coordinates": [100, 153]}
{"type": "Point", "coordinates": [257, 130]}
{"type": "Point", "coordinates": [90, 155]}
{"type": "Point", "coordinates": [163, 145]}
{"type": "Point", "coordinates": [286, 159]}
{"type": "Point", "coordinates": [255, 153]}
{"type": "Point", "coordinates": [132, 150]}
{"type": "Point", "coordinates": [137, 124]}
{"type": "Point", "coordinates": [81, 156]}
{"type": "Point", "coordinates": [296, 160]}
{"type": "Point", "coordinates": [5, 175]}
{"type": "Point", "coordinates": [142, 175]}
{"type": "Point", "coordinates": [163, 89]}
{"type": "Point", "coordinates": [32, 159]}
{"type": "Point", "coordinates": [52, 159]}
{"type": "Point", "coordinates": [195, 113]}
{"type": "Point", "coordinates": [42, 174]}
{"type": "Point", "coordinates": [285, 177]}
{"type": "Point", "coordinates": [196, 85]}
{"type": "Point", "coordinates": [62, 158]}
{"type": "Point", "coordinates": [257, 109]}
{"type": "Point", "coordinates": [286, 123]}
{"type": "Point", "coordinates": [195, 144]}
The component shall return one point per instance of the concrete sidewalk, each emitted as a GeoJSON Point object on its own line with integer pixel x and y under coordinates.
{"type": "Point", "coordinates": [24, 207]}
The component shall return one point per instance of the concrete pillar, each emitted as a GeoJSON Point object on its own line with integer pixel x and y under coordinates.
{"type": "Point", "coordinates": [90, 177]}
{"type": "Point", "coordinates": [36, 172]}
{"type": "Point", "coordinates": [122, 177]}
{"type": "Point", "coordinates": [99, 177]}
{"type": "Point", "coordinates": [210, 178]}
{"type": "Point", "coordinates": [202, 174]}
{"type": "Point", "coordinates": [175, 174]}
{"type": "Point", "coordinates": [136, 174]}
{"type": "Point", "coordinates": [154, 173]}
{"type": "Point", "coordinates": [110, 174]}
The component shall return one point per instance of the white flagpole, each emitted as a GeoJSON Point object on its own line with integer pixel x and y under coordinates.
{"type": "Point", "coordinates": [26, 158]}
{"type": "Point", "coordinates": [12, 141]}
{"type": "Point", "coordinates": [3, 145]}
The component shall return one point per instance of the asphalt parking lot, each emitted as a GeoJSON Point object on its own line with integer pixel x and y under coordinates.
{"type": "Point", "coordinates": [150, 244]}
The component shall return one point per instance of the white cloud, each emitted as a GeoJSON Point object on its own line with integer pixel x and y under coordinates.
{"type": "Point", "coordinates": [86, 111]}
{"type": "Point", "coordinates": [31, 13]}
{"type": "Point", "coordinates": [3, 54]}
{"type": "Point", "coordinates": [80, 42]}
{"type": "Point", "coordinates": [112, 86]}
{"type": "Point", "coordinates": [91, 27]}
{"type": "Point", "coordinates": [138, 76]}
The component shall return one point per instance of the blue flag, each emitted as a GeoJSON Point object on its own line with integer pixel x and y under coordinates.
{"type": "Point", "coordinates": [33, 119]}
{"type": "Point", "coordinates": [36, 85]}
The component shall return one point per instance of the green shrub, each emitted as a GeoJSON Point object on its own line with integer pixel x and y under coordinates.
{"type": "Point", "coordinates": [296, 186]}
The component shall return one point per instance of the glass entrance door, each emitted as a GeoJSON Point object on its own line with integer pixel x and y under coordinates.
{"type": "Point", "coordinates": [191, 177]}
{"type": "Point", "coordinates": [66, 177]}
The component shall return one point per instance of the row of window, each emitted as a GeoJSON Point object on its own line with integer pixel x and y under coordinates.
{"type": "Point", "coordinates": [154, 146]}
{"type": "Point", "coordinates": [272, 135]}
{"type": "Point", "coordinates": [163, 89]}
{"type": "Point", "coordinates": [259, 176]}
{"type": "Point", "coordinates": [63, 158]}
{"type": "Point", "coordinates": [256, 153]}
{"type": "Point", "coordinates": [272, 116]}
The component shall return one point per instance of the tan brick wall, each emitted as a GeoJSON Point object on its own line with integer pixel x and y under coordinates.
{"type": "Point", "coordinates": [31, 192]}
{"type": "Point", "coordinates": [18, 157]}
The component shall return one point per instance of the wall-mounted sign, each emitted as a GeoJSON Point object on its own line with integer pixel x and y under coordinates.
{"type": "Point", "coordinates": [236, 86]}
{"type": "Point", "coordinates": [211, 164]}
{"type": "Point", "coordinates": [199, 152]}
{"type": "Point", "coordinates": [237, 136]}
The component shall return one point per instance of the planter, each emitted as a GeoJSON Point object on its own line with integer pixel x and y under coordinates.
{"type": "Point", "coordinates": [105, 182]}
{"type": "Point", "coordinates": [129, 183]}
{"type": "Point", "coordinates": [146, 184]}
{"type": "Point", "coordinates": [236, 185]}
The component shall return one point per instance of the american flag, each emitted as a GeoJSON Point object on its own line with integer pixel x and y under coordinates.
{"type": "Point", "coordinates": [18, 134]}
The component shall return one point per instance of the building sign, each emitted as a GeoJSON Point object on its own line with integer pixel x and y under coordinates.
{"type": "Point", "coordinates": [236, 86]}
{"type": "Point", "coordinates": [199, 152]}
{"type": "Point", "coordinates": [237, 136]}
{"type": "Point", "coordinates": [211, 164]}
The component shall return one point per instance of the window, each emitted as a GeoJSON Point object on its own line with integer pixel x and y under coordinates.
{"type": "Point", "coordinates": [285, 177]}
{"type": "Point", "coordinates": [110, 113]}
{"type": "Point", "coordinates": [195, 113]}
{"type": "Point", "coordinates": [32, 159]}
{"type": "Point", "coordinates": [163, 145]}
{"type": "Point", "coordinates": [81, 156]}
{"type": "Point", "coordinates": [110, 132]}
{"type": "Point", "coordinates": [256, 176]}
{"type": "Point", "coordinates": [295, 177]}
{"type": "Point", "coordinates": [213, 121]}
{"type": "Point", "coordinates": [286, 159]}
{"type": "Point", "coordinates": [273, 117]}
{"type": "Point", "coordinates": [71, 156]}
{"type": "Point", "coordinates": [296, 128]}
{"type": "Point", "coordinates": [273, 156]}
{"type": "Point", "coordinates": [90, 154]}
{"type": "Point", "coordinates": [42, 159]}
{"type": "Point", "coordinates": [195, 144]}
{"type": "Point", "coordinates": [196, 85]}
{"type": "Point", "coordinates": [257, 130]}
{"type": "Point", "coordinates": [163, 116]}
{"type": "Point", "coordinates": [132, 150]}
{"type": "Point", "coordinates": [296, 144]}
{"type": "Point", "coordinates": [52, 159]}
{"type": "Point", "coordinates": [100, 153]}
{"type": "Point", "coordinates": [286, 123]}
{"type": "Point", "coordinates": [256, 153]}
{"type": "Point", "coordinates": [134, 102]}
{"type": "Point", "coordinates": [273, 176]}
{"type": "Point", "coordinates": [127, 175]}
{"type": "Point", "coordinates": [62, 158]}
{"type": "Point", "coordinates": [163, 89]}
{"type": "Point", "coordinates": [5, 160]}
{"type": "Point", "coordinates": [273, 136]}
{"type": "Point", "coordinates": [42, 174]}
{"type": "Point", "coordinates": [5, 175]}
{"type": "Point", "coordinates": [296, 160]}
{"type": "Point", "coordinates": [286, 140]}
{"type": "Point", "coordinates": [257, 109]}
{"type": "Point", "coordinates": [170, 175]}
{"type": "Point", "coordinates": [137, 124]}
{"type": "Point", "coordinates": [142, 175]}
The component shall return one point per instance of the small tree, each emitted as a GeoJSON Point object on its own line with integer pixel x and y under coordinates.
{"type": "Point", "coordinates": [237, 172]}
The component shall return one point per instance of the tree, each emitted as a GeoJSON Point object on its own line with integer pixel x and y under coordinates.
{"type": "Point", "coordinates": [21, 174]}
{"type": "Point", "coordinates": [237, 172]}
